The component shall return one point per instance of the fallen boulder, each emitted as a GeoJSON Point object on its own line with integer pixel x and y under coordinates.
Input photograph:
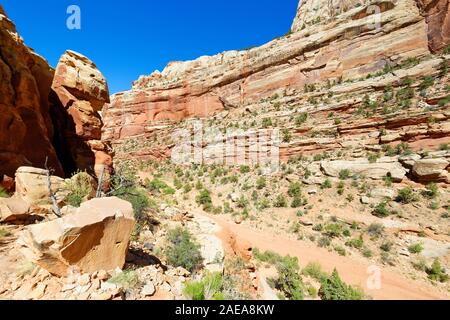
{"type": "Point", "coordinates": [429, 170]}
{"type": "Point", "coordinates": [32, 186]}
{"type": "Point", "coordinates": [14, 210]}
{"type": "Point", "coordinates": [94, 238]}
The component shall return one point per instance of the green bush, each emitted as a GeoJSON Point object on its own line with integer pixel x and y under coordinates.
{"type": "Point", "coordinates": [159, 186]}
{"type": "Point", "coordinates": [261, 183]}
{"type": "Point", "coordinates": [406, 195]}
{"type": "Point", "coordinates": [344, 174]}
{"type": "Point", "coordinates": [375, 229]}
{"type": "Point", "coordinates": [79, 187]}
{"type": "Point", "coordinates": [280, 201]}
{"type": "Point", "coordinates": [127, 279]}
{"type": "Point", "coordinates": [326, 184]}
{"type": "Point", "coordinates": [415, 248]}
{"type": "Point", "coordinates": [301, 119]}
{"type": "Point", "coordinates": [210, 287]}
{"type": "Point", "coordinates": [267, 256]}
{"type": "Point", "coordinates": [314, 270]}
{"type": "Point", "coordinates": [295, 189]}
{"type": "Point", "coordinates": [4, 233]}
{"type": "Point", "coordinates": [333, 230]}
{"type": "Point", "coordinates": [289, 280]}
{"type": "Point", "coordinates": [296, 202]}
{"type": "Point", "coordinates": [183, 251]}
{"type": "Point", "coordinates": [381, 210]}
{"type": "Point", "coordinates": [386, 246]}
{"type": "Point", "coordinates": [355, 243]}
{"type": "Point", "coordinates": [244, 169]}
{"type": "Point", "coordinates": [204, 199]}
{"type": "Point", "coordinates": [437, 272]}
{"type": "Point", "coordinates": [333, 288]}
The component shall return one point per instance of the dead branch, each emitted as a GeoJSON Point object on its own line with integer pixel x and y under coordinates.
{"type": "Point", "coordinates": [100, 183]}
{"type": "Point", "coordinates": [55, 207]}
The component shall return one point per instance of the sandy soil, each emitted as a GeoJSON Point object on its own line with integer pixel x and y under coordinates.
{"type": "Point", "coordinates": [393, 286]}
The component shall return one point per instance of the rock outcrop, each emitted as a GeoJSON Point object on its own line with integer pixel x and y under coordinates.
{"type": "Point", "coordinates": [47, 116]}
{"type": "Point", "coordinates": [94, 238]}
{"type": "Point", "coordinates": [26, 128]}
{"type": "Point", "coordinates": [82, 91]}
{"type": "Point", "coordinates": [437, 15]}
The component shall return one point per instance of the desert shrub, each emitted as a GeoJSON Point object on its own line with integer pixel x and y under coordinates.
{"type": "Point", "coordinates": [437, 272]}
{"type": "Point", "coordinates": [432, 191]}
{"type": "Point", "coordinates": [210, 287]}
{"type": "Point", "coordinates": [295, 189]}
{"type": "Point", "coordinates": [287, 136]}
{"type": "Point", "coordinates": [244, 169]}
{"type": "Point", "coordinates": [326, 184]}
{"type": "Point", "coordinates": [314, 270]}
{"type": "Point", "coordinates": [406, 195]}
{"type": "Point", "coordinates": [317, 227]}
{"type": "Point", "coordinates": [344, 174]}
{"type": "Point", "coordinates": [333, 288]}
{"type": "Point", "coordinates": [381, 210]}
{"type": "Point", "coordinates": [127, 279]}
{"type": "Point", "coordinates": [125, 186]}
{"type": "Point", "coordinates": [415, 248]}
{"type": "Point", "coordinates": [267, 122]}
{"type": "Point", "coordinates": [289, 280]}
{"type": "Point", "coordinates": [333, 230]}
{"type": "Point", "coordinates": [182, 250]}
{"type": "Point", "coordinates": [280, 201]}
{"type": "Point", "coordinates": [242, 202]}
{"type": "Point", "coordinates": [340, 188]}
{"type": "Point", "coordinates": [386, 246]}
{"type": "Point", "coordinates": [158, 186]}
{"type": "Point", "coordinates": [340, 250]}
{"type": "Point", "coordinates": [367, 253]}
{"type": "Point", "coordinates": [261, 183]}
{"type": "Point", "coordinates": [355, 243]}
{"type": "Point", "coordinates": [267, 256]}
{"type": "Point", "coordinates": [301, 119]}
{"type": "Point", "coordinates": [324, 242]}
{"type": "Point", "coordinates": [79, 187]}
{"type": "Point", "coordinates": [375, 229]}
{"type": "Point", "coordinates": [204, 199]}
{"type": "Point", "coordinates": [296, 202]}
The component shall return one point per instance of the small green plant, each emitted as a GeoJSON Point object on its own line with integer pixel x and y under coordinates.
{"type": "Point", "coordinates": [289, 280]}
{"type": "Point", "coordinates": [444, 147]}
{"type": "Point", "coordinates": [295, 189]}
{"type": "Point", "coordinates": [326, 184]}
{"type": "Point", "coordinates": [182, 250]}
{"type": "Point", "coordinates": [333, 288]}
{"type": "Point", "coordinates": [301, 119]}
{"type": "Point", "coordinates": [344, 174]}
{"type": "Point", "coordinates": [415, 248]}
{"type": "Point", "coordinates": [127, 279]}
{"type": "Point", "coordinates": [381, 210]}
{"type": "Point", "coordinates": [244, 169]}
{"type": "Point", "coordinates": [406, 195]}
{"type": "Point", "coordinates": [387, 246]}
{"type": "Point", "coordinates": [314, 270]}
{"type": "Point", "coordinates": [280, 201]}
{"type": "Point", "coordinates": [261, 183]}
{"type": "Point", "coordinates": [296, 202]}
{"type": "Point", "coordinates": [355, 243]}
{"type": "Point", "coordinates": [287, 136]}
{"type": "Point", "coordinates": [437, 272]}
{"type": "Point", "coordinates": [333, 230]}
{"type": "Point", "coordinates": [204, 199]}
{"type": "Point", "coordinates": [375, 230]}
{"type": "Point", "coordinates": [80, 187]}
{"type": "Point", "coordinates": [210, 287]}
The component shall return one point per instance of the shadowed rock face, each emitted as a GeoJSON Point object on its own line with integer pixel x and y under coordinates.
{"type": "Point", "coordinates": [26, 129]}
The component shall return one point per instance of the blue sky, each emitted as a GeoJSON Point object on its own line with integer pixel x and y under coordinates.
{"type": "Point", "coordinates": [129, 38]}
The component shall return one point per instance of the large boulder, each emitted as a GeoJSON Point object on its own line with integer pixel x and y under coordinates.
{"type": "Point", "coordinates": [94, 238]}
{"type": "Point", "coordinates": [374, 170]}
{"type": "Point", "coordinates": [13, 210]}
{"type": "Point", "coordinates": [428, 170]}
{"type": "Point", "coordinates": [32, 186]}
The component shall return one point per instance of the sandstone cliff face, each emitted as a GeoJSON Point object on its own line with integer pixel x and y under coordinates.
{"type": "Point", "coordinates": [333, 49]}
{"type": "Point", "coordinates": [437, 15]}
{"type": "Point", "coordinates": [82, 91]}
{"type": "Point", "coordinates": [48, 114]}
{"type": "Point", "coordinates": [26, 129]}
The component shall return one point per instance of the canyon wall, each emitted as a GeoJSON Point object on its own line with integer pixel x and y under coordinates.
{"type": "Point", "coordinates": [351, 42]}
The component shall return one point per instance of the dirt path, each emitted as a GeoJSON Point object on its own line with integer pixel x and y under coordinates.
{"type": "Point", "coordinates": [393, 286]}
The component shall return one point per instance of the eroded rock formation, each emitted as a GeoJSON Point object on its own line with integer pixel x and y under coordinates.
{"type": "Point", "coordinates": [26, 129]}
{"type": "Point", "coordinates": [82, 91]}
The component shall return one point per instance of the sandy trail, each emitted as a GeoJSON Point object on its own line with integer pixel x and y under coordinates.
{"type": "Point", "coordinates": [393, 286]}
